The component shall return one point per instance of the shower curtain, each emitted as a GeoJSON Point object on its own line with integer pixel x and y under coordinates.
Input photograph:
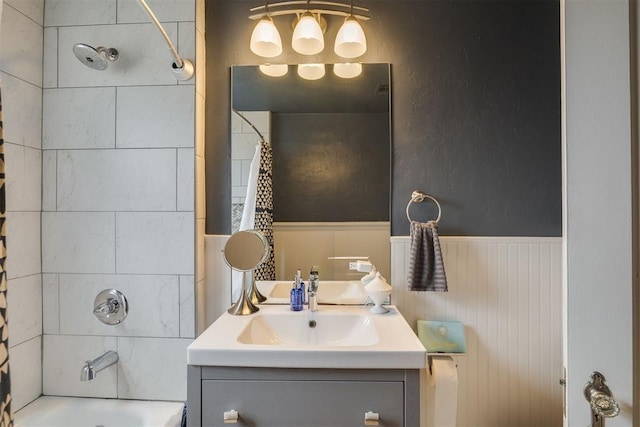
{"type": "Point", "coordinates": [264, 211]}
{"type": "Point", "coordinates": [6, 415]}
{"type": "Point", "coordinates": [258, 214]}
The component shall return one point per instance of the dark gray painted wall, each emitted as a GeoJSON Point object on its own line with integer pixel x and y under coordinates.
{"type": "Point", "coordinates": [330, 167]}
{"type": "Point", "coordinates": [475, 105]}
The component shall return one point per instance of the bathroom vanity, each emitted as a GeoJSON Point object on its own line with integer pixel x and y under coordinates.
{"type": "Point", "coordinates": [281, 397]}
{"type": "Point", "coordinates": [340, 366]}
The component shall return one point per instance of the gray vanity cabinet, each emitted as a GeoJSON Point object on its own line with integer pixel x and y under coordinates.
{"type": "Point", "coordinates": [266, 397]}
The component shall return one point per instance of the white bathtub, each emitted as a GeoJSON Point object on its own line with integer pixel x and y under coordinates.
{"type": "Point", "coordinates": [49, 411]}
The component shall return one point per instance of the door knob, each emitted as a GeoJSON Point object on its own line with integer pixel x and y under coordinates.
{"type": "Point", "coordinates": [600, 400]}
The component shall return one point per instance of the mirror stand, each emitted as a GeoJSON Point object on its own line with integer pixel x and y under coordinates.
{"type": "Point", "coordinates": [243, 306]}
{"type": "Point", "coordinates": [254, 294]}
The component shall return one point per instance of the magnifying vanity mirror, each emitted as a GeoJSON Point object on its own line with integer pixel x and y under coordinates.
{"type": "Point", "coordinates": [331, 168]}
{"type": "Point", "coordinates": [244, 252]}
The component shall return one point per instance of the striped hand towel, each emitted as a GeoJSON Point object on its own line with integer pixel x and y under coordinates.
{"type": "Point", "coordinates": [426, 268]}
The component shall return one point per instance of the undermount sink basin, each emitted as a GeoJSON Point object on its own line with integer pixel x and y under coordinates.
{"type": "Point", "coordinates": [335, 336]}
{"type": "Point", "coordinates": [324, 329]}
{"type": "Point", "coordinates": [329, 292]}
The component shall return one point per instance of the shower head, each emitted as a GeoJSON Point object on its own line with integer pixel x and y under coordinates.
{"type": "Point", "coordinates": [95, 58]}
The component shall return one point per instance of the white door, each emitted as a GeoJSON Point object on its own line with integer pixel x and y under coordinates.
{"type": "Point", "coordinates": [598, 221]}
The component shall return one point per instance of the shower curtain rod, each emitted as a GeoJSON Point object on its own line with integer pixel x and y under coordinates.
{"type": "Point", "coordinates": [182, 68]}
{"type": "Point", "coordinates": [262, 140]}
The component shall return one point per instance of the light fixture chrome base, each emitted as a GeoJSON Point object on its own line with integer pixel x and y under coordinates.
{"type": "Point", "coordinates": [243, 306]}
{"type": "Point", "coordinates": [321, 20]}
{"type": "Point", "coordinates": [254, 294]}
{"type": "Point", "coordinates": [298, 7]}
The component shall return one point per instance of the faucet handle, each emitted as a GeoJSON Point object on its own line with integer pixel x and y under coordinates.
{"type": "Point", "coordinates": [110, 306]}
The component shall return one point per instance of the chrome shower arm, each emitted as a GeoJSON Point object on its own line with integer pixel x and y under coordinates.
{"type": "Point", "coordinates": [146, 7]}
{"type": "Point", "coordinates": [182, 68]}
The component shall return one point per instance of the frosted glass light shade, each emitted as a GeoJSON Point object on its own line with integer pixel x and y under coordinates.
{"type": "Point", "coordinates": [311, 71]}
{"type": "Point", "coordinates": [350, 41]}
{"type": "Point", "coordinates": [274, 70]}
{"type": "Point", "coordinates": [265, 39]}
{"type": "Point", "coordinates": [307, 36]}
{"type": "Point", "coordinates": [347, 70]}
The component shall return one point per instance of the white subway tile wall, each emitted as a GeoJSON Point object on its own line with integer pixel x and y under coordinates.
{"type": "Point", "coordinates": [118, 197]}
{"type": "Point", "coordinates": [142, 124]}
{"type": "Point", "coordinates": [152, 301]}
{"type": "Point", "coordinates": [186, 180]}
{"type": "Point", "coordinates": [79, 12]}
{"type": "Point", "coordinates": [23, 182]}
{"type": "Point", "coordinates": [50, 308]}
{"type": "Point", "coordinates": [26, 371]}
{"type": "Point", "coordinates": [21, 61]}
{"type": "Point", "coordinates": [23, 234]}
{"type": "Point", "coordinates": [155, 242]}
{"type": "Point", "coordinates": [78, 242]}
{"type": "Point", "coordinates": [187, 304]}
{"type": "Point", "coordinates": [50, 58]}
{"type": "Point", "coordinates": [21, 37]}
{"type": "Point", "coordinates": [79, 118]}
{"type": "Point", "coordinates": [49, 179]}
{"type": "Point", "coordinates": [117, 180]}
{"type": "Point", "coordinates": [200, 195]}
{"type": "Point", "coordinates": [162, 379]}
{"type": "Point", "coordinates": [144, 57]}
{"type": "Point", "coordinates": [64, 357]}
{"type": "Point", "coordinates": [21, 110]}
{"type": "Point", "coordinates": [24, 296]}
{"type": "Point", "coordinates": [34, 9]}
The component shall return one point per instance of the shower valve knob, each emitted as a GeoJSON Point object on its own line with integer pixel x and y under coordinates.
{"type": "Point", "coordinates": [110, 306]}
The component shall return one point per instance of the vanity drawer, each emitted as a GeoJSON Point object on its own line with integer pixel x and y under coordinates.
{"type": "Point", "coordinates": [302, 403]}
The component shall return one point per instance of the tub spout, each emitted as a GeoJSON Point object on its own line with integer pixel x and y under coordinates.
{"type": "Point", "coordinates": [92, 367]}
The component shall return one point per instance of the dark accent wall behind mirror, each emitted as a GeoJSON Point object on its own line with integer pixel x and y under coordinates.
{"type": "Point", "coordinates": [331, 167]}
{"type": "Point", "coordinates": [476, 108]}
{"type": "Point", "coordinates": [330, 140]}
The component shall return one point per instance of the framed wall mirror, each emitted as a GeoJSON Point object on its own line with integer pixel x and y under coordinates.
{"type": "Point", "coordinates": [331, 145]}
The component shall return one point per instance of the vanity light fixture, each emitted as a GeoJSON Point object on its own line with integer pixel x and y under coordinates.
{"type": "Point", "coordinates": [274, 70]}
{"type": "Point", "coordinates": [309, 27]}
{"type": "Point", "coordinates": [307, 35]}
{"type": "Point", "coordinates": [311, 71]}
{"type": "Point", "coordinates": [350, 41]}
{"type": "Point", "coordinates": [347, 70]}
{"type": "Point", "coordinates": [265, 38]}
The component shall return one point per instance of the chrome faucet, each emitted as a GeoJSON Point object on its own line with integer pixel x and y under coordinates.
{"type": "Point", "coordinates": [314, 281]}
{"type": "Point", "coordinates": [92, 367]}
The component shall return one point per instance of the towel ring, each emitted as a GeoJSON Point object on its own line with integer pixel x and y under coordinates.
{"type": "Point", "coordinates": [418, 197]}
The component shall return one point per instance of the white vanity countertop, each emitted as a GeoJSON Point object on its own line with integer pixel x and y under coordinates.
{"type": "Point", "coordinates": [347, 337]}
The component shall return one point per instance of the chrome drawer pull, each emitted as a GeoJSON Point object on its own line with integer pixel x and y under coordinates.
{"type": "Point", "coordinates": [231, 417]}
{"type": "Point", "coordinates": [371, 418]}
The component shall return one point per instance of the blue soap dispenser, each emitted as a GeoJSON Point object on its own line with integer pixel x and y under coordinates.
{"type": "Point", "coordinates": [302, 287]}
{"type": "Point", "coordinates": [296, 296]}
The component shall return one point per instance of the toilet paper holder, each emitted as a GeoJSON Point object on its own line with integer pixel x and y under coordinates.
{"type": "Point", "coordinates": [430, 357]}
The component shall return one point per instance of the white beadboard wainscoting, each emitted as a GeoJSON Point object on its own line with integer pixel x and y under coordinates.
{"type": "Point", "coordinates": [507, 291]}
